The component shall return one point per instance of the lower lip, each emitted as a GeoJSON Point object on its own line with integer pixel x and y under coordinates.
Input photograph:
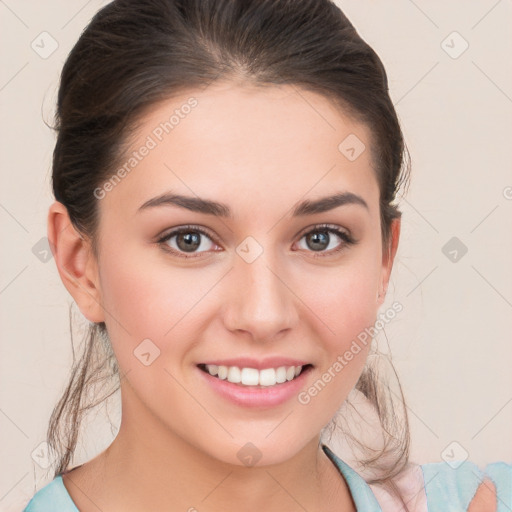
{"type": "Point", "coordinates": [253, 396]}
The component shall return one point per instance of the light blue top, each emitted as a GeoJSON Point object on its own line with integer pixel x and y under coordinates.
{"type": "Point", "coordinates": [447, 489]}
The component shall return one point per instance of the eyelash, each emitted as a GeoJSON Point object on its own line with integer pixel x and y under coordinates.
{"type": "Point", "coordinates": [347, 239]}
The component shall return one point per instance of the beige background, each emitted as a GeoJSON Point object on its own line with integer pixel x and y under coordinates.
{"type": "Point", "coordinates": [451, 344]}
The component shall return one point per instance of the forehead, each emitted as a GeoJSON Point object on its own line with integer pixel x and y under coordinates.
{"type": "Point", "coordinates": [230, 141]}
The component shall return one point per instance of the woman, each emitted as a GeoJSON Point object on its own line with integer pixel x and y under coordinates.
{"type": "Point", "coordinates": [225, 177]}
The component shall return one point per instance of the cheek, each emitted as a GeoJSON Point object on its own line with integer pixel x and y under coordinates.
{"type": "Point", "coordinates": [344, 298]}
{"type": "Point", "coordinates": [146, 299]}
{"type": "Point", "coordinates": [131, 289]}
{"type": "Point", "coordinates": [342, 306]}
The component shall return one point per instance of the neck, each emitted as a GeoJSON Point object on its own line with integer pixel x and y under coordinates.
{"type": "Point", "coordinates": [148, 467]}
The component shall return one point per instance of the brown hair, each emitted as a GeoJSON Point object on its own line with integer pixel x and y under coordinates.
{"type": "Point", "coordinates": [135, 53]}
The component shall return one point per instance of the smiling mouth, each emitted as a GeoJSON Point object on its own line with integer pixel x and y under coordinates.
{"type": "Point", "coordinates": [253, 377]}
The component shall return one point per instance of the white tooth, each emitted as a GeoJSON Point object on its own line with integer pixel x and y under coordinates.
{"type": "Point", "coordinates": [234, 374]}
{"type": "Point", "coordinates": [281, 374]}
{"type": "Point", "coordinates": [213, 369]}
{"type": "Point", "coordinates": [223, 372]}
{"type": "Point", "coordinates": [290, 372]}
{"type": "Point", "coordinates": [250, 376]}
{"type": "Point", "coordinates": [297, 370]}
{"type": "Point", "coordinates": [267, 377]}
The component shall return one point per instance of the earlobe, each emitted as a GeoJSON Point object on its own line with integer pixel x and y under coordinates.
{"type": "Point", "coordinates": [76, 263]}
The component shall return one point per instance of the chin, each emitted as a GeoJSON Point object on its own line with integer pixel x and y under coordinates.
{"type": "Point", "coordinates": [258, 452]}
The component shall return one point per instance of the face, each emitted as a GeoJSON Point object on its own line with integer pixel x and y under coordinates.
{"type": "Point", "coordinates": [258, 280]}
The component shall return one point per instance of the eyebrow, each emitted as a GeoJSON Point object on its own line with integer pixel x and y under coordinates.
{"type": "Point", "coordinates": [209, 207]}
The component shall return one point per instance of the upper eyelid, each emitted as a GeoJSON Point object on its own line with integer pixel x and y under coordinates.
{"type": "Point", "coordinates": [176, 231]}
{"type": "Point", "coordinates": [326, 226]}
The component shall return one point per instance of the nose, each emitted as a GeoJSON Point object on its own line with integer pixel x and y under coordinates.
{"type": "Point", "coordinates": [260, 302]}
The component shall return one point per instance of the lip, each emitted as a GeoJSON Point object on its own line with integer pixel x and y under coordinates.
{"type": "Point", "coordinates": [258, 364]}
{"type": "Point", "coordinates": [254, 396]}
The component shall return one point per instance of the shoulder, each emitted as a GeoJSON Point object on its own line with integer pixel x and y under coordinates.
{"type": "Point", "coordinates": [454, 487]}
{"type": "Point", "coordinates": [51, 497]}
{"type": "Point", "coordinates": [462, 485]}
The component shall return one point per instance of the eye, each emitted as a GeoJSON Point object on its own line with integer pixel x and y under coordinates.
{"type": "Point", "coordinates": [320, 238]}
{"type": "Point", "coordinates": [187, 240]}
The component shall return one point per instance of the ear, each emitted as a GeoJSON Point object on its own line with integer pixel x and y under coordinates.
{"type": "Point", "coordinates": [388, 257]}
{"type": "Point", "coordinates": [76, 263]}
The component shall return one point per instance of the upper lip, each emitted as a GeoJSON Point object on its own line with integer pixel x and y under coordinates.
{"type": "Point", "coordinates": [258, 364]}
